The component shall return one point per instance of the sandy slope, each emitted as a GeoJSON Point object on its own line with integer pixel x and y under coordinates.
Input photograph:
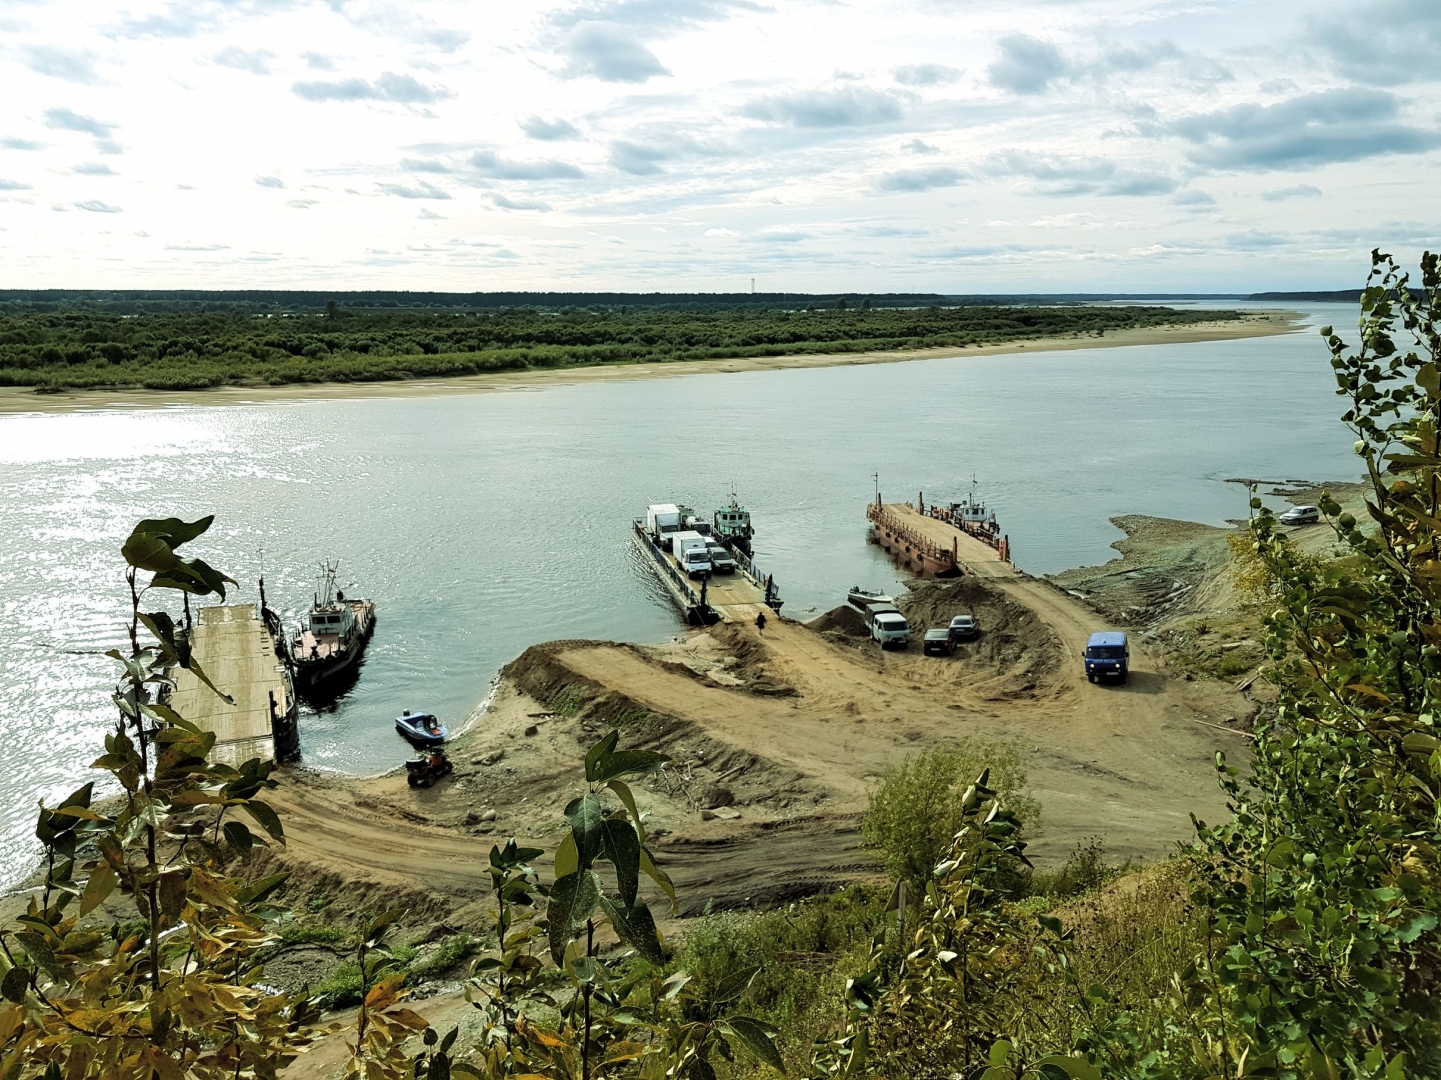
{"type": "Point", "coordinates": [785, 730]}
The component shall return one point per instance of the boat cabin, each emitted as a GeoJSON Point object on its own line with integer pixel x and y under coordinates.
{"type": "Point", "coordinates": [335, 621]}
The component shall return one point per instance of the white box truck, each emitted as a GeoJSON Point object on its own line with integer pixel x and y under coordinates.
{"type": "Point", "coordinates": [691, 554]}
{"type": "Point", "coordinates": [662, 521]}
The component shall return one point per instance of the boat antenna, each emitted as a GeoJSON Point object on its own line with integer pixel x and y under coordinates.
{"type": "Point", "coordinates": [876, 476]}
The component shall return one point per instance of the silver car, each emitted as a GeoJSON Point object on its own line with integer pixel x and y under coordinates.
{"type": "Point", "coordinates": [1301, 515]}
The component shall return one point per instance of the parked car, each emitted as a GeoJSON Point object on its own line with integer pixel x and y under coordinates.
{"type": "Point", "coordinates": [1108, 653]}
{"type": "Point", "coordinates": [887, 625]}
{"type": "Point", "coordinates": [937, 642]}
{"type": "Point", "coordinates": [1301, 515]}
{"type": "Point", "coordinates": [964, 628]}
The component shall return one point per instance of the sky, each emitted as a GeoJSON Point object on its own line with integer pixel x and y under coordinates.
{"type": "Point", "coordinates": [695, 145]}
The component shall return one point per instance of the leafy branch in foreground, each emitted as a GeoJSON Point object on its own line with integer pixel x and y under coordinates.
{"type": "Point", "coordinates": [622, 1015]}
{"type": "Point", "coordinates": [176, 991]}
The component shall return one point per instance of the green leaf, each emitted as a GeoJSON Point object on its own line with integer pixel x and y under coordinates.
{"type": "Point", "coordinates": [659, 876]}
{"type": "Point", "coordinates": [758, 1038]}
{"type": "Point", "coordinates": [621, 846]}
{"type": "Point", "coordinates": [622, 792]}
{"type": "Point", "coordinates": [381, 923]}
{"type": "Point", "coordinates": [1074, 1067]}
{"type": "Point", "coordinates": [172, 892]}
{"type": "Point", "coordinates": [101, 884]}
{"type": "Point", "coordinates": [266, 818]}
{"type": "Point", "coordinates": [626, 762]}
{"type": "Point", "coordinates": [598, 751]}
{"type": "Point", "coordinates": [258, 891]}
{"type": "Point", "coordinates": [15, 984]}
{"type": "Point", "coordinates": [572, 899]}
{"type": "Point", "coordinates": [174, 531]}
{"type": "Point", "coordinates": [567, 858]}
{"type": "Point", "coordinates": [238, 836]}
{"type": "Point", "coordinates": [146, 552]}
{"type": "Point", "coordinates": [636, 927]}
{"type": "Point", "coordinates": [585, 816]}
{"type": "Point", "coordinates": [39, 950]}
{"type": "Point", "coordinates": [734, 985]}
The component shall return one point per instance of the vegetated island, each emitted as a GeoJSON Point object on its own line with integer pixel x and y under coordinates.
{"type": "Point", "coordinates": [80, 348]}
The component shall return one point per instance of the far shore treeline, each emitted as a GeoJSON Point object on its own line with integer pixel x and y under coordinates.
{"type": "Point", "coordinates": [79, 346]}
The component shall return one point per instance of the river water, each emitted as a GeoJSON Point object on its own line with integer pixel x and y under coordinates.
{"type": "Point", "coordinates": [482, 523]}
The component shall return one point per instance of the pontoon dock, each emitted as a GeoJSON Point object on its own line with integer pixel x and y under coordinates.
{"type": "Point", "coordinates": [238, 650]}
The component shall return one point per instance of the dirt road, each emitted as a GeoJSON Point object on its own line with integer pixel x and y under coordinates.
{"type": "Point", "coordinates": [779, 733]}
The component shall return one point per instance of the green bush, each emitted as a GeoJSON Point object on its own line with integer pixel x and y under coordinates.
{"type": "Point", "coordinates": [915, 807]}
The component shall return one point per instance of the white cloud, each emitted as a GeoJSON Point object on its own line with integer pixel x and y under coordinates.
{"type": "Point", "coordinates": [842, 146]}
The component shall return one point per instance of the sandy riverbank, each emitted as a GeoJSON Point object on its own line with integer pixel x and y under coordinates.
{"type": "Point", "coordinates": [25, 400]}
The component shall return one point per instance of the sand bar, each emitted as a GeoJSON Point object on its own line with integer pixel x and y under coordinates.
{"type": "Point", "coordinates": [21, 399]}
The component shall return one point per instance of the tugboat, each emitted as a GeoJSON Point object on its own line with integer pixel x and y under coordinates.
{"type": "Point", "coordinates": [970, 515]}
{"type": "Point", "coordinates": [334, 637]}
{"type": "Point", "coordinates": [733, 526]}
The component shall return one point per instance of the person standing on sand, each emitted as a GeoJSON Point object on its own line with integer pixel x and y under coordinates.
{"type": "Point", "coordinates": [761, 621]}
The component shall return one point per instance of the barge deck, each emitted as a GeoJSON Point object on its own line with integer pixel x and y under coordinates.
{"type": "Point", "coordinates": [932, 545]}
{"type": "Point", "coordinates": [239, 650]}
{"type": "Point", "coordinates": [737, 597]}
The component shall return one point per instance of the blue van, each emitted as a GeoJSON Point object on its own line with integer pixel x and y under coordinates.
{"type": "Point", "coordinates": [1107, 653]}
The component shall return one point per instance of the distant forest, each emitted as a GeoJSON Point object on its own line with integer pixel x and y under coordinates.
{"type": "Point", "coordinates": [91, 347]}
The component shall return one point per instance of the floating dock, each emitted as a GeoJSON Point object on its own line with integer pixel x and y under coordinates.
{"type": "Point", "coordinates": [933, 544]}
{"type": "Point", "coordinates": [240, 651]}
{"type": "Point", "coordinates": [734, 597]}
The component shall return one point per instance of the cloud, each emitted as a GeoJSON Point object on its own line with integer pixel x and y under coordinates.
{"type": "Point", "coordinates": [1027, 65]}
{"type": "Point", "coordinates": [257, 62]}
{"type": "Point", "coordinates": [1193, 199]}
{"type": "Point", "coordinates": [422, 190]}
{"type": "Point", "coordinates": [197, 247]}
{"type": "Point", "coordinates": [13, 185]}
{"type": "Point", "coordinates": [318, 61]}
{"type": "Point", "coordinates": [488, 163]}
{"type": "Point", "coordinates": [109, 146]}
{"type": "Point", "coordinates": [389, 87]}
{"type": "Point", "coordinates": [302, 204]}
{"type": "Point", "coordinates": [1052, 174]}
{"type": "Point", "coordinates": [850, 106]}
{"type": "Point", "coordinates": [426, 165]}
{"type": "Point", "coordinates": [269, 181]}
{"type": "Point", "coordinates": [427, 214]}
{"type": "Point", "coordinates": [66, 120]}
{"type": "Point", "coordinates": [610, 53]}
{"type": "Point", "coordinates": [94, 168]}
{"type": "Point", "coordinates": [638, 159]}
{"type": "Point", "coordinates": [652, 18]}
{"type": "Point", "coordinates": [1345, 124]}
{"type": "Point", "coordinates": [1385, 42]}
{"type": "Point", "coordinates": [915, 146]}
{"type": "Point", "coordinates": [68, 64]}
{"type": "Point", "coordinates": [180, 20]}
{"type": "Point", "coordinates": [517, 204]}
{"type": "Point", "coordinates": [937, 176]}
{"type": "Point", "coordinates": [721, 232]}
{"type": "Point", "coordinates": [1295, 191]}
{"type": "Point", "coordinates": [926, 75]}
{"type": "Point", "coordinates": [95, 206]}
{"type": "Point", "coordinates": [10, 142]}
{"type": "Point", "coordinates": [549, 130]}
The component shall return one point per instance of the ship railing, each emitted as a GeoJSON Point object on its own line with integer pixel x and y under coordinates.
{"type": "Point", "coordinates": [758, 577]}
{"type": "Point", "coordinates": [922, 545]}
{"type": "Point", "coordinates": [658, 556]}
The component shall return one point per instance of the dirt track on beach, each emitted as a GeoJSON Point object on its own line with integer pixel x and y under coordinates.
{"type": "Point", "coordinates": [778, 735]}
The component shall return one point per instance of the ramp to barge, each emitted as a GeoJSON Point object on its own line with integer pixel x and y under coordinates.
{"type": "Point", "coordinates": [237, 650]}
{"type": "Point", "coordinates": [934, 546]}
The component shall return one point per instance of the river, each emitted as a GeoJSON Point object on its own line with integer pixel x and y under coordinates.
{"type": "Point", "coordinates": [482, 523]}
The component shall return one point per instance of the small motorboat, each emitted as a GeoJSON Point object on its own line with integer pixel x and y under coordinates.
{"type": "Point", "coordinates": [422, 729]}
{"type": "Point", "coordinates": [859, 597]}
